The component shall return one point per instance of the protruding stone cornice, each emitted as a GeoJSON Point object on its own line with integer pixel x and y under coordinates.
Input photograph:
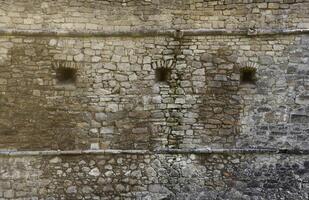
{"type": "Point", "coordinates": [159, 151]}
{"type": "Point", "coordinates": [151, 32]}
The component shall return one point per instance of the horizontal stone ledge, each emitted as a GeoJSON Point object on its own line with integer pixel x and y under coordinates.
{"type": "Point", "coordinates": [70, 152]}
{"type": "Point", "coordinates": [235, 151]}
{"type": "Point", "coordinates": [64, 33]}
{"type": "Point", "coordinates": [158, 151]}
{"type": "Point", "coordinates": [150, 32]}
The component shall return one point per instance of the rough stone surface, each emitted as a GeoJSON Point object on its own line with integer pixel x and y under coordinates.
{"type": "Point", "coordinates": [161, 14]}
{"type": "Point", "coordinates": [201, 105]}
{"type": "Point", "coordinates": [79, 93]}
{"type": "Point", "coordinates": [215, 176]}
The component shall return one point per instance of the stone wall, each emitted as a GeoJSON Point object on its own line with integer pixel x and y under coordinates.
{"type": "Point", "coordinates": [155, 176]}
{"type": "Point", "coordinates": [153, 14]}
{"type": "Point", "coordinates": [162, 80]}
{"type": "Point", "coordinates": [117, 102]}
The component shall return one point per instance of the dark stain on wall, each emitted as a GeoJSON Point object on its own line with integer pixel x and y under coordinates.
{"type": "Point", "coordinates": [221, 104]}
{"type": "Point", "coordinates": [34, 114]}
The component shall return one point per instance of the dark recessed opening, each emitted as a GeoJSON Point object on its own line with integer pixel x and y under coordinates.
{"type": "Point", "coordinates": [66, 75]}
{"type": "Point", "coordinates": [163, 74]}
{"type": "Point", "coordinates": [247, 75]}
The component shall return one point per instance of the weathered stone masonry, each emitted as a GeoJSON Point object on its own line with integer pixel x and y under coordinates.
{"type": "Point", "coordinates": [155, 176]}
{"type": "Point", "coordinates": [145, 99]}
